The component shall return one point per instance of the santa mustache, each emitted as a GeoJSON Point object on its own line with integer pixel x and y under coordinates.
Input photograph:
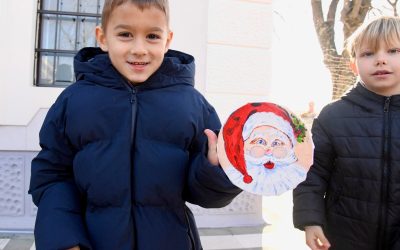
{"type": "Point", "coordinates": [267, 159]}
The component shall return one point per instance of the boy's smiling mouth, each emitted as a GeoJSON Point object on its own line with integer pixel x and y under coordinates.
{"type": "Point", "coordinates": [139, 63]}
{"type": "Point", "coordinates": [138, 66]}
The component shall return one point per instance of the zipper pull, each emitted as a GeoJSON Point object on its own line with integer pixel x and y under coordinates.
{"type": "Point", "coordinates": [387, 103]}
{"type": "Point", "coordinates": [133, 97]}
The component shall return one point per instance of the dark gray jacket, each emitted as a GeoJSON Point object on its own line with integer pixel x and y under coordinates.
{"type": "Point", "coordinates": [353, 188]}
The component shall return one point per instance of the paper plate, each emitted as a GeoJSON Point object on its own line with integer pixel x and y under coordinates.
{"type": "Point", "coordinates": [265, 149]}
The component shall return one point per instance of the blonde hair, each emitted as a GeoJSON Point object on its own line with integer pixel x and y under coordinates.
{"type": "Point", "coordinates": [384, 29]}
{"type": "Point", "coordinates": [110, 5]}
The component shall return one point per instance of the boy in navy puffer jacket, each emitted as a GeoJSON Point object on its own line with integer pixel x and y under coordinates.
{"type": "Point", "coordinates": [128, 144]}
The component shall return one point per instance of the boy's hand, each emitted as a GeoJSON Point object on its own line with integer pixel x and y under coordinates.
{"type": "Point", "coordinates": [315, 238]}
{"type": "Point", "coordinates": [74, 248]}
{"type": "Point", "coordinates": [212, 147]}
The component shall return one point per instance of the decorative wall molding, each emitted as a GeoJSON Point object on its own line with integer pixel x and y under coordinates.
{"type": "Point", "coordinates": [17, 211]}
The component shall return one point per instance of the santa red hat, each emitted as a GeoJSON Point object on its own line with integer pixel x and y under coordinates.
{"type": "Point", "coordinates": [242, 122]}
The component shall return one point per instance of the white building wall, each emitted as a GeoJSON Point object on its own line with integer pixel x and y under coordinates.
{"type": "Point", "coordinates": [231, 41]}
{"type": "Point", "coordinates": [237, 72]}
{"type": "Point", "coordinates": [238, 53]}
{"type": "Point", "coordinates": [20, 100]}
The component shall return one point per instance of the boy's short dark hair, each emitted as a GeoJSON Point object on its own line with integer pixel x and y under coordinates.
{"type": "Point", "coordinates": [110, 5]}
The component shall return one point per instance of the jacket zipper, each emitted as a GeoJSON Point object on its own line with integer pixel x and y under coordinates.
{"type": "Point", "coordinates": [133, 102]}
{"type": "Point", "coordinates": [385, 176]}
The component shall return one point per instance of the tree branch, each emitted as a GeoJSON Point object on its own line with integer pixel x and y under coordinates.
{"type": "Point", "coordinates": [356, 9]}
{"type": "Point", "coordinates": [332, 11]}
{"type": "Point", "coordinates": [394, 6]}
{"type": "Point", "coordinates": [324, 29]}
{"type": "Point", "coordinates": [353, 15]}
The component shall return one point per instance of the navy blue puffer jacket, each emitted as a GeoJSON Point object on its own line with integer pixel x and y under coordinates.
{"type": "Point", "coordinates": [118, 162]}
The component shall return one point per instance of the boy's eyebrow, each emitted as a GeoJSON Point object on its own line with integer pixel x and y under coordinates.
{"type": "Point", "coordinates": [125, 26]}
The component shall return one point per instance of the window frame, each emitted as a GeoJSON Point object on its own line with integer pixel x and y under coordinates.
{"type": "Point", "coordinates": [56, 52]}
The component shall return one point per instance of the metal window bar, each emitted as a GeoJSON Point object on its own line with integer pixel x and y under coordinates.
{"type": "Point", "coordinates": [56, 42]}
{"type": "Point", "coordinates": [77, 26]}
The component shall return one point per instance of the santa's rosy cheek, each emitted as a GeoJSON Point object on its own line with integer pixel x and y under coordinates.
{"type": "Point", "coordinates": [280, 152]}
{"type": "Point", "coordinates": [257, 151]}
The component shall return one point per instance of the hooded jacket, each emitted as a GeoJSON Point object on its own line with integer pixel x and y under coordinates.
{"type": "Point", "coordinates": [118, 162]}
{"type": "Point", "coordinates": [353, 188]}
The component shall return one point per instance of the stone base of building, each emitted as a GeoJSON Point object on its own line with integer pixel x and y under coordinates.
{"type": "Point", "coordinates": [17, 212]}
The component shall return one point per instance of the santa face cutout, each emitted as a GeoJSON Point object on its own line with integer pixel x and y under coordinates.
{"type": "Point", "coordinates": [259, 149]}
{"type": "Point", "coordinates": [268, 146]}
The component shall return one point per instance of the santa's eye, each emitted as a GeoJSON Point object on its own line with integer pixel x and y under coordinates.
{"type": "Point", "coordinates": [277, 143]}
{"type": "Point", "coordinates": [259, 141]}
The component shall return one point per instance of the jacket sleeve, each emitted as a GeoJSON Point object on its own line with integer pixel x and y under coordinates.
{"type": "Point", "coordinates": [59, 223]}
{"type": "Point", "coordinates": [207, 185]}
{"type": "Point", "coordinates": [308, 196]}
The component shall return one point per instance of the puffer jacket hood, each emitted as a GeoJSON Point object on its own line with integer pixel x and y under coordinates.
{"type": "Point", "coordinates": [94, 65]}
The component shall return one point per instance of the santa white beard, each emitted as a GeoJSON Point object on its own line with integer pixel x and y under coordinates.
{"type": "Point", "coordinates": [285, 175]}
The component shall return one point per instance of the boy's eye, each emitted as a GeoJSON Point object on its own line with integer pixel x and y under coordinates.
{"type": "Point", "coordinates": [394, 51]}
{"type": "Point", "coordinates": [124, 34]}
{"type": "Point", "coordinates": [153, 36]}
{"type": "Point", "coordinates": [366, 53]}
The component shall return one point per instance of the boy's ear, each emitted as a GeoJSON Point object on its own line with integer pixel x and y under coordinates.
{"type": "Point", "coordinates": [101, 38]}
{"type": "Point", "coordinates": [169, 39]}
{"type": "Point", "coordinates": [353, 66]}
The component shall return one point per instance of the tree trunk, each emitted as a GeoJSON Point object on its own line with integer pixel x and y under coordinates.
{"type": "Point", "coordinates": [341, 75]}
{"type": "Point", "coordinates": [352, 16]}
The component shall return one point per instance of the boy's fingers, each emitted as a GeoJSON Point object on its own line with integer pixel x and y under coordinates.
{"type": "Point", "coordinates": [315, 238]}
{"type": "Point", "coordinates": [212, 138]}
{"type": "Point", "coordinates": [314, 244]}
{"type": "Point", "coordinates": [311, 242]}
{"type": "Point", "coordinates": [212, 146]}
{"type": "Point", "coordinates": [323, 242]}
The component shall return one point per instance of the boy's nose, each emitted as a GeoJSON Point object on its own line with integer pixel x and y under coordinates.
{"type": "Point", "coordinates": [138, 48]}
{"type": "Point", "coordinates": [381, 61]}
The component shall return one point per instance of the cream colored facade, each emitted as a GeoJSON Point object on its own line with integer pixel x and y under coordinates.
{"type": "Point", "coordinates": [231, 41]}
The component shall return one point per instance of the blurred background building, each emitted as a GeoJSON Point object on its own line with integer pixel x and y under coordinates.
{"type": "Point", "coordinates": [230, 39]}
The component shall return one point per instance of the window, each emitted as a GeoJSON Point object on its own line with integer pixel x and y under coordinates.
{"type": "Point", "coordinates": [63, 27]}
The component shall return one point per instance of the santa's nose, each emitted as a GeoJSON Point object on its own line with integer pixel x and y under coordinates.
{"type": "Point", "coordinates": [268, 151]}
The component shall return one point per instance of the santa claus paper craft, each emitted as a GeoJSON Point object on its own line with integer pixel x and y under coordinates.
{"type": "Point", "coordinates": [265, 149]}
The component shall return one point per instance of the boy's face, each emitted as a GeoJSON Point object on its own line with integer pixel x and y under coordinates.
{"type": "Point", "coordinates": [135, 40]}
{"type": "Point", "coordinates": [379, 70]}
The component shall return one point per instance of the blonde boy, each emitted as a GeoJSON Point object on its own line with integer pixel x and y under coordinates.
{"type": "Point", "coordinates": [350, 199]}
